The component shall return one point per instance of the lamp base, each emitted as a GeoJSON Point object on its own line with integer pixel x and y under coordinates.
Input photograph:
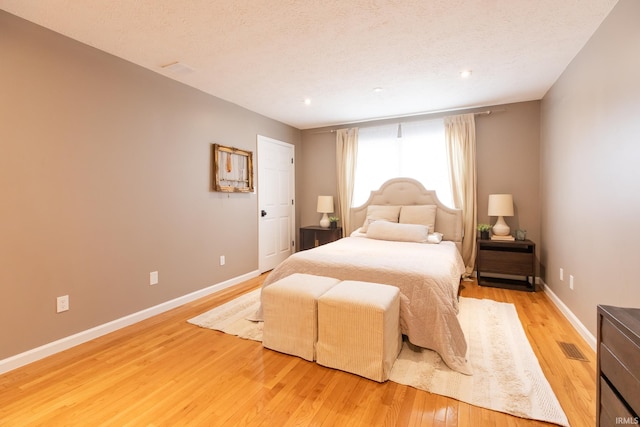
{"type": "Point", "coordinates": [324, 221]}
{"type": "Point", "coordinates": [500, 228]}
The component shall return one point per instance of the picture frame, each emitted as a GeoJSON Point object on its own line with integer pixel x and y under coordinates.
{"type": "Point", "coordinates": [232, 169]}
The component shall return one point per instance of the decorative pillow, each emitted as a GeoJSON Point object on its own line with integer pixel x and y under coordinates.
{"type": "Point", "coordinates": [380, 213]}
{"type": "Point", "coordinates": [419, 214]}
{"type": "Point", "coordinates": [384, 230]}
{"type": "Point", "coordinates": [435, 238]}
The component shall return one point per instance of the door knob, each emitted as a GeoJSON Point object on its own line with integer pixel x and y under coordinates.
{"type": "Point", "coordinates": [263, 213]}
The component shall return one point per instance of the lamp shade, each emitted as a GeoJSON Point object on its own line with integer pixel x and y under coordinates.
{"type": "Point", "coordinates": [325, 204]}
{"type": "Point", "coordinates": [500, 205]}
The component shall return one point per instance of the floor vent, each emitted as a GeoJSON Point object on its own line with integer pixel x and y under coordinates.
{"type": "Point", "coordinates": [572, 352]}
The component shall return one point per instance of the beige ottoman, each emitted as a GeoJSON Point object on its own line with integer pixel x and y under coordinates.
{"type": "Point", "coordinates": [359, 328]}
{"type": "Point", "coordinates": [290, 313]}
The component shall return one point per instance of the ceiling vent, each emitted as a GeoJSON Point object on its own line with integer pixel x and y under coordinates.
{"type": "Point", "coordinates": [178, 68]}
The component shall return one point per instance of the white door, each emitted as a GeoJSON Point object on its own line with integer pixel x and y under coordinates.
{"type": "Point", "coordinates": [276, 210]}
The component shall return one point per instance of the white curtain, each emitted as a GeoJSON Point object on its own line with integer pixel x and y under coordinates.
{"type": "Point", "coordinates": [460, 135]}
{"type": "Point", "coordinates": [346, 156]}
{"type": "Point", "coordinates": [419, 153]}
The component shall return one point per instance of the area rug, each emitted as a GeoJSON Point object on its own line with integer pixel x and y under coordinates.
{"type": "Point", "coordinates": [506, 374]}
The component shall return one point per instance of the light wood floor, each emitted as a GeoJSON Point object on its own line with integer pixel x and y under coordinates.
{"type": "Point", "coordinates": [164, 371]}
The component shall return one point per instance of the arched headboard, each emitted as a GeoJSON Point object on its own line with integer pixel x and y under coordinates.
{"type": "Point", "coordinates": [408, 191]}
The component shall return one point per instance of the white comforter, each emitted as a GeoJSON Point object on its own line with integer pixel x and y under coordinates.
{"type": "Point", "coordinates": [427, 275]}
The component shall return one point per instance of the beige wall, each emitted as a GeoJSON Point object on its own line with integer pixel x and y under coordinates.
{"type": "Point", "coordinates": [590, 182]}
{"type": "Point", "coordinates": [507, 154]}
{"type": "Point", "coordinates": [507, 161]}
{"type": "Point", "coordinates": [104, 177]}
{"type": "Point", "coordinates": [317, 173]}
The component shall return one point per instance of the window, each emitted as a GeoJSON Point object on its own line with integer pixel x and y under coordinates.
{"type": "Point", "coordinates": [420, 154]}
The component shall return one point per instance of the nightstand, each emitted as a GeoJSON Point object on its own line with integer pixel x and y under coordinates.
{"type": "Point", "coordinates": [314, 235]}
{"type": "Point", "coordinates": [512, 258]}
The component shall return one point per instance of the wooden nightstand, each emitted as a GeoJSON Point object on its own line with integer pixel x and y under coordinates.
{"type": "Point", "coordinates": [314, 235]}
{"type": "Point", "coordinates": [514, 258]}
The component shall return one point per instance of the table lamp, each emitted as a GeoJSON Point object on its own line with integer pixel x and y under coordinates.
{"type": "Point", "coordinates": [325, 206]}
{"type": "Point", "coordinates": [500, 205]}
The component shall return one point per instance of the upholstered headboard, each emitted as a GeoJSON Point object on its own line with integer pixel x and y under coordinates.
{"type": "Point", "coordinates": [407, 191]}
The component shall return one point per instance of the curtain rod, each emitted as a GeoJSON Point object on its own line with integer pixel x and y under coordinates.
{"type": "Point", "coordinates": [488, 112]}
{"type": "Point", "coordinates": [478, 113]}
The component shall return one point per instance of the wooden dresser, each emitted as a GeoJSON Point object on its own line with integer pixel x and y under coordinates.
{"type": "Point", "coordinates": [618, 388]}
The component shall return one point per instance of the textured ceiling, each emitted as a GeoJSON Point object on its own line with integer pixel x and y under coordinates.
{"type": "Point", "coordinates": [269, 55]}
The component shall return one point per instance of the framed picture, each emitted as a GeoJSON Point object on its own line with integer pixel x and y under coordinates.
{"type": "Point", "coordinates": [232, 169]}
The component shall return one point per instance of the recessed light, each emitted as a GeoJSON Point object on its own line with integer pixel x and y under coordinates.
{"type": "Point", "coordinates": [465, 74]}
{"type": "Point", "coordinates": [307, 101]}
{"type": "Point", "coordinates": [377, 89]}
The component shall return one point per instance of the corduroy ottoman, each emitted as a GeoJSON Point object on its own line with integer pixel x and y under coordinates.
{"type": "Point", "coordinates": [290, 313]}
{"type": "Point", "coordinates": [359, 328]}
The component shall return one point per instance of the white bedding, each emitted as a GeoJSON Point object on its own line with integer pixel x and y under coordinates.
{"type": "Point", "coordinates": [428, 276]}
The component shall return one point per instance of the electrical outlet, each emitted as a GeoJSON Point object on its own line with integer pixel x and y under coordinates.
{"type": "Point", "coordinates": [571, 281]}
{"type": "Point", "coordinates": [222, 260]}
{"type": "Point", "coordinates": [153, 278]}
{"type": "Point", "coordinates": [562, 274]}
{"type": "Point", "coordinates": [62, 304]}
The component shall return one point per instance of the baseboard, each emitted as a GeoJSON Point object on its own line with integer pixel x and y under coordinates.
{"type": "Point", "coordinates": [575, 322]}
{"type": "Point", "coordinates": [65, 343]}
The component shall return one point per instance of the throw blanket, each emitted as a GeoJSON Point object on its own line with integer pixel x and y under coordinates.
{"type": "Point", "coordinates": [427, 275]}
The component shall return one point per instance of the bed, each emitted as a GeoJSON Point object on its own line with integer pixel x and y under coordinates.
{"type": "Point", "coordinates": [419, 253]}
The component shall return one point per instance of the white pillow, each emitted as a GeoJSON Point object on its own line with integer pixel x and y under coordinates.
{"type": "Point", "coordinates": [435, 238]}
{"type": "Point", "coordinates": [380, 213]}
{"type": "Point", "coordinates": [419, 214]}
{"type": "Point", "coordinates": [384, 230]}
